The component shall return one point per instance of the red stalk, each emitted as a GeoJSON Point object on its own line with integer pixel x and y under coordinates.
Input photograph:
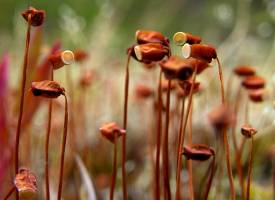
{"type": "Point", "coordinates": [113, 183]}
{"type": "Point", "coordinates": [125, 114]}
{"type": "Point", "coordinates": [9, 193]}
{"type": "Point", "coordinates": [165, 154]}
{"type": "Point", "coordinates": [62, 155]}
{"type": "Point", "coordinates": [249, 176]}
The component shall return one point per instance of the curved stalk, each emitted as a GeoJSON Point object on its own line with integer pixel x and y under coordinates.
{"type": "Point", "coordinates": [225, 140]}
{"type": "Point", "coordinates": [113, 183]}
{"type": "Point", "coordinates": [47, 181]}
{"type": "Point", "coordinates": [189, 162]}
{"type": "Point", "coordinates": [212, 174]}
{"type": "Point", "coordinates": [182, 134]}
{"type": "Point", "coordinates": [62, 155]}
{"type": "Point", "coordinates": [125, 114]}
{"type": "Point", "coordinates": [165, 154]}
{"type": "Point", "coordinates": [250, 164]}
{"type": "Point", "coordinates": [9, 193]}
{"type": "Point", "coordinates": [159, 130]}
{"type": "Point", "coordinates": [22, 97]}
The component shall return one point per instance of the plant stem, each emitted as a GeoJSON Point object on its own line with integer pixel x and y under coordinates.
{"type": "Point", "coordinates": [47, 181]}
{"type": "Point", "coordinates": [125, 114]}
{"type": "Point", "coordinates": [165, 154]}
{"type": "Point", "coordinates": [113, 183]}
{"type": "Point", "coordinates": [159, 133]}
{"type": "Point", "coordinates": [182, 135]}
{"type": "Point", "coordinates": [273, 174]}
{"type": "Point", "coordinates": [236, 149]}
{"type": "Point", "coordinates": [62, 156]}
{"type": "Point", "coordinates": [189, 162]}
{"type": "Point", "coordinates": [250, 164]}
{"type": "Point", "coordinates": [9, 193]}
{"type": "Point", "coordinates": [225, 140]}
{"type": "Point", "coordinates": [22, 97]}
{"type": "Point", "coordinates": [212, 174]}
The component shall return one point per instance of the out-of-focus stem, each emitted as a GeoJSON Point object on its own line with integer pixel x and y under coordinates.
{"type": "Point", "coordinates": [125, 114]}
{"type": "Point", "coordinates": [211, 176]}
{"type": "Point", "coordinates": [9, 193]}
{"type": "Point", "coordinates": [189, 161]}
{"type": "Point", "coordinates": [249, 176]}
{"type": "Point", "coordinates": [159, 130]}
{"type": "Point", "coordinates": [167, 191]}
{"type": "Point", "coordinates": [113, 183]}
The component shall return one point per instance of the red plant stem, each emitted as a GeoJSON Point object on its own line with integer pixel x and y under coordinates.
{"type": "Point", "coordinates": [225, 140]}
{"type": "Point", "coordinates": [125, 114]}
{"type": "Point", "coordinates": [22, 97]}
{"type": "Point", "coordinates": [159, 131]}
{"type": "Point", "coordinates": [229, 86]}
{"type": "Point", "coordinates": [236, 149]}
{"type": "Point", "coordinates": [167, 191]}
{"type": "Point", "coordinates": [189, 162]}
{"type": "Point", "coordinates": [62, 155]}
{"type": "Point", "coordinates": [181, 124]}
{"type": "Point", "coordinates": [273, 174]}
{"type": "Point", "coordinates": [182, 135]}
{"type": "Point", "coordinates": [9, 193]}
{"type": "Point", "coordinates": [47, 181]}
{"type": "Point", "coordinates": [249, 176]}
{"type": "Point", "coordinates": [113, 183]}
{"type": "Point", "coordinates": [209, 183]}
{"type": "Point", "coordinates": [23, 86]}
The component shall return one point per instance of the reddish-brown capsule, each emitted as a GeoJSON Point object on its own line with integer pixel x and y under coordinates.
{"type": "Point", "coordinates": [200, 64]}
{"type": "Point", "coordinates": [48, 89]}
{"type": "Point", "coordinates": [180, 38]}
{"type": "Point", "coordinates": [176, 68]}
{"type": "Point", "coordinates": [199, 51]}
{"type": "Point", "coordinates": [253, 82]}
{"type": "Point", "coordinates": [60, 59]}
{"type": "Point", "coordinates": [26, 184]}
{"type": "Point", "coordinates": [80, 55]}
{"type": "Point", "coordinates": [36, 16]}
{"type": "Point", "coordinates": [199, 152]}
{"type": "Point", "coordinates": [221, 117]}
{"type": "Point", "coordinates": [86, 79]}
{"type": "Point", "coordinates": [148, 36]}
{"type": "Point", "coordinates": [150, 52]}
{"type": "Point", "coordinates": [248, 131]}
{"type": "Point", "coordinates": [143, 91]}
{"type": "Point", "coordinates": [244, 70]}
{"type": "Point", "coordinates": [111, 130]}
{"type": "Point", "coordinates": [257, 95]}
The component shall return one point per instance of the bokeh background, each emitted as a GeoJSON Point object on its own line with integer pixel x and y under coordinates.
{"type": "Point", "coordinates": [241, 30]}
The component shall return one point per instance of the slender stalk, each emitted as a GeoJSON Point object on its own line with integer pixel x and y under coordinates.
{"type": "Point", "coordinates": [159, 131]}
{"type": "Point", "coordinates": [22, 97]}
{"type": "Point", "coordinates": [189, 162]}
{"type": "Point", "coordinates": [62, 155]}
{"type": "Point", "coordinates": [47, 181]}
{"type": "Point", "coordinates": [165, 154]}
{"type": "Point", "coordinates": [225, 140]}
{"type": "Point", "coordinates": [9, 193]}
{"type": "Point", "coordinates": [212, 174]}
{"type": "Point", "coordinates": [236, 149]}
{"type": "Point", "coordinates": [273, 175]}
{"type": "Point", "coordinates": [125, 114]}
{"type": "Point", "coordinates": [182, 134]}
{"type": "Point", "coordinates": [113, 183]}
{"type": "Point", "coordinates": [249, 176]}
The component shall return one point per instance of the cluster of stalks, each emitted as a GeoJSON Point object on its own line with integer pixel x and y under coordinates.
{"type": "Point", "coordinates": [176, 73]}
{"type": "Point", "coordinates": [25, 181]}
